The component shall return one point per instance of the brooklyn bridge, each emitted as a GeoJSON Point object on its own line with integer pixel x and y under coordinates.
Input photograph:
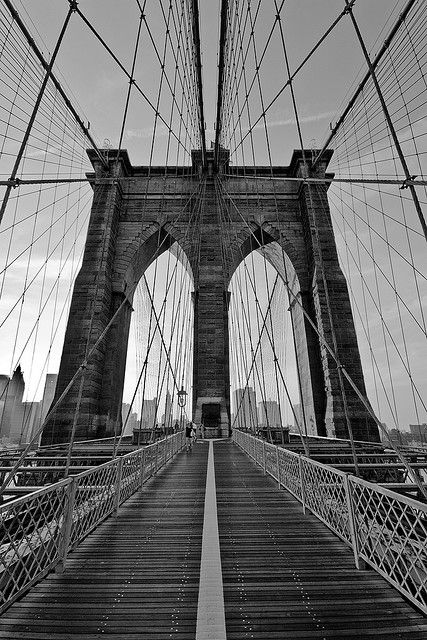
{"type": "Point", "coordinates": [213, 276]}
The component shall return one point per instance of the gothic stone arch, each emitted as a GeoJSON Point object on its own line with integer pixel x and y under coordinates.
{"type": "Point", "coordinates": [134, 212]}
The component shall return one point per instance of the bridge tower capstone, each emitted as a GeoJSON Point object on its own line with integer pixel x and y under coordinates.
{"type": "Point", "coordinates": [137, 213]}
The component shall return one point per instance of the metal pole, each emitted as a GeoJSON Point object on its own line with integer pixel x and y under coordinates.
{"type": "Point", "coordinates": [263, 457]}
{"type": "Point", "coordinates": [67, 526]}
{"type": "Point", "coordinates": [351, 521]}
{"type": "Point", "coordinates": [118, 485]}
{"type": "Point", "coordinates": [301, 478]}
{"type": "Point", "coordinates": [142, 467]}
{"type": "Point", "coordinates": [278, 466]}
{"type": "Point", "coordinates": [156, 463]}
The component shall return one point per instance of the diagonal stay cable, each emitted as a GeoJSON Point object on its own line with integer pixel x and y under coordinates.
{"type": "Point", "coordinates": [337, 361]}
{"type": "Point", "coordinates": [129, 76]}
{"type": "Point", "coordinates": [294, 74]}
{"type": "Point", "coordinates": [45, 65]}
{"type": "Point", "coordinates": [84, 364]}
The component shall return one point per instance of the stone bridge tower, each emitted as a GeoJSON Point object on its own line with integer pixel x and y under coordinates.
{"type": "Point", "coordinates": [134, 212]}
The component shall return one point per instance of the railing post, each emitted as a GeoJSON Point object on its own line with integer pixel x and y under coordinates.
{"type": "Point", "coordinates": [141, 480]}
{"type": "Point", "coordinates": [351, 520]}
{"type": "Point", "coordinates": [165, 444]}
{"type": "Point", "coordinates": [156, 460]}
{"type": "Point", "coordinates": [118, 486]}
{"type": "Point", "coordinates": [278, 466]}
{"type": "Point", "coordinates": [264, 467]}
{"type": "Point", "coordinates": [67, 526]}
{"type": "Point", "coordinates": [301, 478]}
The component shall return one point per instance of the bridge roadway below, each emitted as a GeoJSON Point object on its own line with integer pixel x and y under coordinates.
{"type": "Point", "coordinates": [154, 571]}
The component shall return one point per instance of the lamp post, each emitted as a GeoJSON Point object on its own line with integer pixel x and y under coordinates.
{"type": "Point", "coordinates": [182, 399]}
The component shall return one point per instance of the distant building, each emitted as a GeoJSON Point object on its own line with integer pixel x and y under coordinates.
{"type": "Point", "coordinates": [245, 409]}
{"type": "Point", "coordinates": [397, 437]}
{"type": "Point", "coordinates": [31, 421]}
{"type": "Point", "coordinates": [269, 414]}
{"type": "Point", "coordinates": [167, 418]}
{"type": "Point", "coordinates": [48, 394]}
{"type": "Point", "coordinates": [129, 419]}
{"type": "Point", "coordinates": [419, 432]}
{"type": "Point", "coordinates": [148, 414]}
{"type": "Point", "coordinates": [12, 409]}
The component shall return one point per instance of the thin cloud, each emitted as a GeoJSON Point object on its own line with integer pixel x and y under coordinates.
{"type": "Point", "coordinates": [291, 121]}
{"type": "Point", "coordinates": [146, 132]}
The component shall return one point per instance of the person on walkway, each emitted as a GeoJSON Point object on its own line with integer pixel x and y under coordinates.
{"type": "Point", "coordinates": [194, 432]}
{"type": "Point", "coordinates": [188, 436]}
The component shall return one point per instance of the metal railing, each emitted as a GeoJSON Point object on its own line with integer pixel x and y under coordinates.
{"type": "Point", "coordinates": [40, 529]}
{"type": "Point", "coordinates": [386, 530]}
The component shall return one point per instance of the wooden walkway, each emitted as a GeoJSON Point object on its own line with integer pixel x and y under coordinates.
{"type": "Point", "coordinates": [284, 575]}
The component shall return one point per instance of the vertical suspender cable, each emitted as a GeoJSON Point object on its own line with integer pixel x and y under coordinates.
{"type": "Point", "coordinates": [198, 64]}
{"type": "Point", "coordinates": [387, 116]}
{"type": "Point", "coordinates": [35, 110]}
{"type": "Point", "coordinates": [222, 44]}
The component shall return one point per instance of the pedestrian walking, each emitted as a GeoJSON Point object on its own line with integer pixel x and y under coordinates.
{"type": "Point", "coordinates": [188, 436]}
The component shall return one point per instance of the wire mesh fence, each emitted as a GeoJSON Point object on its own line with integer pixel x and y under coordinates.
{"type": "Point", "coordinates": [37, 531]}
{"type": "Point", "coordinates": [386, 530]}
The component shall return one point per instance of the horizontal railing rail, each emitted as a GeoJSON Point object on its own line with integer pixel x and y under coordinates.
{"type": "Point", "coordinates": [386, 530]}
{"type": "Point", "coordinates": [37, 531]}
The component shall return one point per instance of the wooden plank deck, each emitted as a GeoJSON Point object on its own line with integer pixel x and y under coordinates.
{"type": "Point", "coordinates": [284, 574]}
{"type": "Point", "coordinates": [136, 576]}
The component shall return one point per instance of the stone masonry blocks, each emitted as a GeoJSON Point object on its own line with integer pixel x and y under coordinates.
{"type": "Point", "coordinates": [130, 215]}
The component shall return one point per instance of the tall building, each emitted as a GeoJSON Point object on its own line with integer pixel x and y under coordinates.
{"type": "Point", "coordinates": [148, 415]}
{"type": "Point", "coordinates": [167, 418]}
{"type": "Point", "coordinates": [48, 394]}
{"type": "Point", "coordinates": [245, 409]}
{"type": "Point", "coordinates": [419, 432]}
{"type": "Point", "coordinates": [129, 419]}
{"type": "Point", "coordinates": [31, 420]}
{"type": "Point", "coordinates": [269, 414]}
{"type": "Point", "coordinates": [12, 409]}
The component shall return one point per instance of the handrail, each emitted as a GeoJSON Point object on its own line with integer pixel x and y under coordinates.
{"type": "Point", "coordinates": [386, 530]}
{"type": "Point", "coordinates": [39, 530]}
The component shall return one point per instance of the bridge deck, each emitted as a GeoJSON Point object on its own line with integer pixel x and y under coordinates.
{"type": "Point", "coordinates": [284, 575]}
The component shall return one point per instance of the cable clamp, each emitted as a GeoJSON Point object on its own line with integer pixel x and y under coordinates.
{"type": "Point", "coordinates": [349, 7]}
{"type": "Point", "coordinates": [407, 183]}
{"type": "Point", "coordinates": [73, 5]}
{"type": "Point", "coordinates": [15, 183]}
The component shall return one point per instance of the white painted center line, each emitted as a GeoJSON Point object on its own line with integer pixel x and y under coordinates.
{"type": "Point", "coordinates": [210, 608]}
